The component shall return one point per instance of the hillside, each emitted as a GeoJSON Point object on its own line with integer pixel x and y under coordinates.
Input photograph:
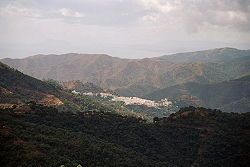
{"type": "Point", "coordinates": [81, 87]}
{"type": "Point", "coordinates": [138, 77]}
{"type": "Point", "coordinates": [16, 87]}
{"type": "Point", "coordinates": [18, 90]}
{"type": "Point", "coordinates": [230, 96]}
{"type": "Point", "coordinates": [191, 137]}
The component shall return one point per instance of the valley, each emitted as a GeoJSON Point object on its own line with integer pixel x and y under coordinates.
{"type": "Point", "coordinates": [154, 114]}
{"type": "Point", "coordinates": [191, 78]}
{"type": "Point", "coordinates": [124, 83]}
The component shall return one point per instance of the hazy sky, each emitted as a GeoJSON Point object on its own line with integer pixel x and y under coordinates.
{"type": "Point", "coordinates": [121, 28]}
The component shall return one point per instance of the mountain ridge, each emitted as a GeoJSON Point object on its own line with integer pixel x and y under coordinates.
{"type": "Point", "coordinates": [206, 55]}
{"type": "Point", "coordinates": [224, 95]}
{"type": "Point", "coordinates": [108, 55]}
{"type": "Point", "coordinates": [134, 74]}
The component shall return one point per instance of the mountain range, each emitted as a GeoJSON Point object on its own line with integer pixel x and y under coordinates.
{"type": "Point", "coordinates": [230, 96]}
{"type": "Point", "coordinates": [216, 78]}
{"type": "Point", "coordinates": [42, 123]}
{"type": "Point", "coordinates": [137, 77]}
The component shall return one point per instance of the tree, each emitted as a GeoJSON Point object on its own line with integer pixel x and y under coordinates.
{"type": "Point", "coordinates": [156, 120]}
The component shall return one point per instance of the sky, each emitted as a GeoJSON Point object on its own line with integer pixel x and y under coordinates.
{"type": "Point", "coordinates": [121, 28]}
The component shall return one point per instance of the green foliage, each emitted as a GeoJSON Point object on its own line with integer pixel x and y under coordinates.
{"type": "Point", "coordinates": [46, 137]}
{"type": "Point", "coordinates": [53, 83]}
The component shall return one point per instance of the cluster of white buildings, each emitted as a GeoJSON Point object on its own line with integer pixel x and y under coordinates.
{"type": "Point", "coordinates": [140, 101]}
{"type": "Point", "coordinates": [131, 100]}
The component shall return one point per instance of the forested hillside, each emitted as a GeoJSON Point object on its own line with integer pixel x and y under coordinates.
{"type": "Point", "coordinates": [191, 137]}
{"type": "Point", "coordinates": [16, 87]}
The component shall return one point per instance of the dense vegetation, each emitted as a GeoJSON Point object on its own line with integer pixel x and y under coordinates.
{"type": "Point", "coordinates": [82, 87]}
{"type": "Point", "coordinates": [42, 136]}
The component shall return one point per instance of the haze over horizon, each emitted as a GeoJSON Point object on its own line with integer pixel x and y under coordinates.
{"type": "Point", "coordinates": [109, 55]}
{"type": "Point", "coordinates": [127, 29]}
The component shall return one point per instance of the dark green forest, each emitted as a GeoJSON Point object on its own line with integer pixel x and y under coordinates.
{"type": "Point", "coordinates": [42, 136]}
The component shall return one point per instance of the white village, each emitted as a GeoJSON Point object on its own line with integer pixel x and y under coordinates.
{"type": "Point", "coordinates": [130, 100]}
